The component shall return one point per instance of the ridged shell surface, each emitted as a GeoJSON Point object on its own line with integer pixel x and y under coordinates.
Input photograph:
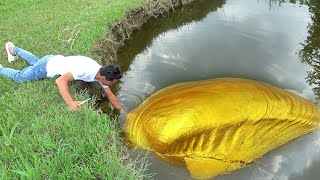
{"type": "Point", "coordinates": [218, 125]}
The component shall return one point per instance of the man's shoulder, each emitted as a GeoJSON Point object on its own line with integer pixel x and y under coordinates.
{"type": "Point", "coordinates": [80, 57]}
{"type": "Point", "coordinates": [83, 59]}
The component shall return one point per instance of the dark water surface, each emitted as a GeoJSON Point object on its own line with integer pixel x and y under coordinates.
{"type": "Point", "coordinates": [253, 39]}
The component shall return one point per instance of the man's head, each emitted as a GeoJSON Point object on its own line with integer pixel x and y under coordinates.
{"type": "Point", "coordinates": [109, 74]}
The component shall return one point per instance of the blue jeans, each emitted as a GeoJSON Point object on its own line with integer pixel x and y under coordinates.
{"type": "Point", "coordinates": [37, 69]}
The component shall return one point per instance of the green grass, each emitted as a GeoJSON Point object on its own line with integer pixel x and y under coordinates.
{"type": "Point", "coordinates": [39, 137]}
{"type": "Point", "coordinates": [48, 26]}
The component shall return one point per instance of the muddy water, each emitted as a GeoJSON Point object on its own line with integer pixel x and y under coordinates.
{"type": "Point", "coordinates": [254, 39]}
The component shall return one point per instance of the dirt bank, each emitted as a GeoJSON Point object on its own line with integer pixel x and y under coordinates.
{"type": "Point", "coordinates": [106, 49]}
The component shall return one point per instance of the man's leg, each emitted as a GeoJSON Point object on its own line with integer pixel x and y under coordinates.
{"type": "Point", "coordinates": [32, 59]}
{"type": "Point", "coordinates": [35, 72]}
{"type": "Point", "coordinates": [11, 73]}
{"type": "Point", "coordinates": [12, 50]}
{"type": "Point", "coordinates": [29, 73]}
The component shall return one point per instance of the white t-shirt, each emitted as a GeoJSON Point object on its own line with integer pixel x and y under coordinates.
{"type": "Point", "coordinates": [81, 67]}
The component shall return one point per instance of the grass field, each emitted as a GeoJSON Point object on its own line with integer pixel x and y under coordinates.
{"type": "Point", "coordinates": [39, 137]}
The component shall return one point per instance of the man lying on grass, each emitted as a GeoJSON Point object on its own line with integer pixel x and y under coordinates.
{"type": "Point", "coordinates": [69, 68]}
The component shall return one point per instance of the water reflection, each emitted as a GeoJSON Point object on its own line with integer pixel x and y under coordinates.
{"type": "Point", "coordinates": [239, 38]}
{"type": "Point", "coordinates": [131, 93]}
{"type": "Point", "coordinates": [235, 41]}
{"type": "Point", "coordinates": [310, 53]}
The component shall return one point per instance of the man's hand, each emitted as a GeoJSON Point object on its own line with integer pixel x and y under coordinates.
{"type": "Point", "coordinates": [122, 111]}
{"type": "Point", "coordinates": [122, 116]}
{"type": "Point", "coordinates": [74, 105]}
{"type": "Point", "coordinates": [62, 83]}
{"type": "Point", "coordinates": [112, 98]}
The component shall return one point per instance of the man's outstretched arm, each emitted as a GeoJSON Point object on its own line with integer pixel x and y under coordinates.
{"type": "Point", "coordinates": [113, 99]}
{"type": "Point", "coordinates": [62, 83]}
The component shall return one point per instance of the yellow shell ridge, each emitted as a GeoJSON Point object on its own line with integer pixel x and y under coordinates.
{"type": "Point", "coordinates": [224, 122]}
